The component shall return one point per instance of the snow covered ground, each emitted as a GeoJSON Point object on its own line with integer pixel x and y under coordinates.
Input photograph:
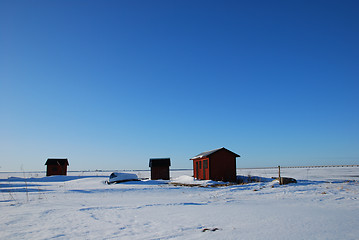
{"type": "Point", "coordinates": [324, 204]}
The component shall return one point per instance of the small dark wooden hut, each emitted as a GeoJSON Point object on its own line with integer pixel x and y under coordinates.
{"type": "Point", "coordinates": [160, 168]}
{"type": "Point", "coordinates": [56, 166]}
{"type": "Point", "coordinates": [218, 165]}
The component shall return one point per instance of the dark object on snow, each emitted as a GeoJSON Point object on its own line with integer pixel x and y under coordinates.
{"type": "Point", "coordinates": [218, 165]}
{"type": "Point", "coordinates": [56, 166]}
{"type": "Point", "coordinates": [160, 168]}
{"type": "Point", "coordinates": [210, 229]}
{"type": "Point", "coordinates": [286, 180]}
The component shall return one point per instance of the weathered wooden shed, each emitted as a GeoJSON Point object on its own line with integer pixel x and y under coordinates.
{"type": "Point", "coordinates": [218, 165]}
{"type": "Point", "coordinates": [160, 168]}
{"type": "Point", "coordinates": [56, 166]}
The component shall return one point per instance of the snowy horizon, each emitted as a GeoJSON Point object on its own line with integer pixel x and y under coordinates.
{"type": "Point", "coordinates": [323, 204]}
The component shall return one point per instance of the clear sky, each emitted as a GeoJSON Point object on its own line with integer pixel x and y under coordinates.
{"type": "Point", "coordinates": [110, 84]}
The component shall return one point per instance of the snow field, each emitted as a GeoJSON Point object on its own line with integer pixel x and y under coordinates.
{"type": "Point", "coordinates": [322, 205]}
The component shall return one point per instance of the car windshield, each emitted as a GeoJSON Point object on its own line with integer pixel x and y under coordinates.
{"type": "Point", "coordinates": [113, 175]}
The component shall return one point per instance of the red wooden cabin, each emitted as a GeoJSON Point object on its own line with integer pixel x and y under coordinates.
{"type": "Point", "coordinates": [56, 166]}
{"type": "Point", "coordinates": [160, 168]}
{"type": "Point", "coordinates": [218, 165]}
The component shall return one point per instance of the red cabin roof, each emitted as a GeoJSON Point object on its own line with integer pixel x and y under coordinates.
{"type": "Point", "coordinates": [208, 153]}
{"type": "Point", "coordinates": [57, 161]}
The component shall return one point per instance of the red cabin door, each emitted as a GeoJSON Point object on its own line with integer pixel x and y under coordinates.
{"type": "Point", "coordinates": [202, 170]}
{"type": "Point", "coordinates": [197, 171]}
{"type": "Point", "coordinates": [205, 169]}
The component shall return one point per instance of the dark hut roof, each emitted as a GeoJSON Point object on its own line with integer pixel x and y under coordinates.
{"type": "Point", "coordinates": [206, 154]}
{"type": "Point", "coordinates": [160, 162]}
{"type": "Point", "coordinates": [57, 161]}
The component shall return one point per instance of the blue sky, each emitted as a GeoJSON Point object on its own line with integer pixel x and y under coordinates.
{"type": "Point", "coordinates": [110, 84]}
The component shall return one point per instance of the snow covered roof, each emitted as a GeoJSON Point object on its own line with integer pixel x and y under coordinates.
{"type": "Point", "coordinates": [206, 154]}
{"type": "Point", "coordinates": [117, 177]}
{"type": "Point", "coordinates": [57, 161]}
{"type": "Point", "coordinates": [160, 162]}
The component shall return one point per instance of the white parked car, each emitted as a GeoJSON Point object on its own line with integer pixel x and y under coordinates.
{"type": "Point", "coordinates": [116, 177]}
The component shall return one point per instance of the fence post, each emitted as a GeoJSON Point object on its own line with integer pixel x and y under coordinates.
{"type": "Point", "coordinates": [280, 179]}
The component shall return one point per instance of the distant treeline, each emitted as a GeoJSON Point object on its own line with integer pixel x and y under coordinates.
{"type": "Point", "coordinates": [319, 166]}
